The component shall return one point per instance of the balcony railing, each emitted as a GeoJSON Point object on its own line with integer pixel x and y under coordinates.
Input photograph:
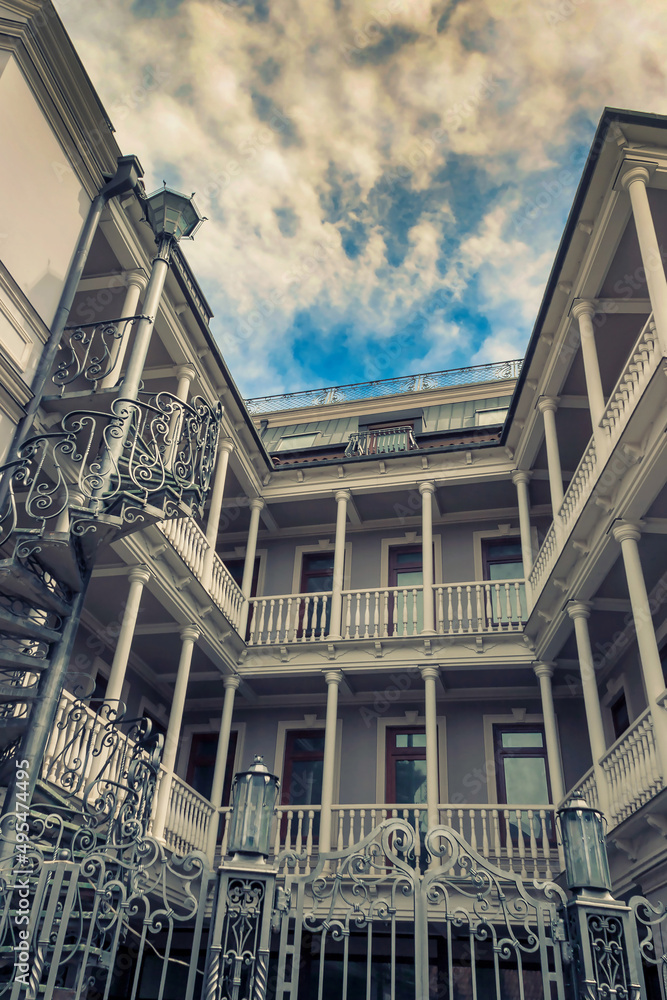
{"type": "Point", "coordinates": [386, 441]}
{"type": "Point", "coordinates": [389, 612]}
{"type": "Point", "coordinates": [474, 375]}
{"type": "Point", "coordinates": [637, 373]}
{"type": "Point", "coordinates": [632, 771]}
{"type": "Point", "coordinates": [190, 542]}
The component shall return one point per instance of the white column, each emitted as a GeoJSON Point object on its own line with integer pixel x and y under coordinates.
{"type": "Point", "coordinates": [547, 407]}
{"type": "Point", "coordinates": [138, 577]}
{"type": "Point", "coordinates": [635, 182]}
{"type": "Point", "coordinates": [185, 374]}
{"type": "Point", "coordinates": [579, 612]}
{"type": "Point", "coordinates": [342, 497]}
{"type": "Point", "coordinates": [583, 312]}
{"type": "Point", "coordinates": [521, 480]}
{"type": "Point", "coordinates": [427, 490]}
{"type": "Point", "coordinates": [544, 673]}
{"type": "Point", "coordinates": [225, 448]}
{"type": "Point", "coordinates": [136, 282]}
{"type": "Point", "coordinates": [333, 679]}
{"type": "Point", "coordinates": [256, 507]}
{"type": "Point", "coordinates": [231, 684]}
{"type": "Point", "coordinates": [189, 636]}
{"type": "Point", "coordinates": [430, 676]}
{"type": "Point", "coordinates": [628, 535]}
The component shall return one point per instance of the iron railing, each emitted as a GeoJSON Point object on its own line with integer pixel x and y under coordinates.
{"type": "Point", "coordinates": [386, 441]}
{"type": "Point", "coordinates": [474, 375]}
{"type": "Point", "coordinates": [91, 352]}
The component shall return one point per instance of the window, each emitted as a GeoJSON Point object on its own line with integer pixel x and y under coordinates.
{"type": "Point", "coordinates": [620, 717]}
{"type": "Point", "coordinates": [295, 442]}
{"type": "Point", "coordinates": [405, 571]}
{"type": "Point", "coordinates": [302, 771]}
{"type": "Point", "coordinates": [502, 560]}
{"type": "Point", "coordinates": [406, 764]}
{"type": "Point", "coordinates": [486, 418]}
{"type": "Point", "coordinates": [522, 774]}
{"type": "Point", "coordinates": [316, 577]}
{"type": "Point", "coordinates": [201, 765]}
{"type": "Point", "coordinates": [391, 436]}
{"type": "Point", "coordinates": [235, 567]}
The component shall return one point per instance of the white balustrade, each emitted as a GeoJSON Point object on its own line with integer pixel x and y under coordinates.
{"type": "Point", "coordinates": [632, 768]}
{"type": "Point", "coordinates": [188, 818]}
{"type": "Point", "coordinates": [586, 788]}
{"type": "Point", "coordinates": [378, 614]}
{"type": "Point", "coordinates": [190, 542]}
{"type": "Point", "coordinates": [637, 372]}
{"type": "Point", "coordinates": [521, 839]}
{"type": "Point", "coordinates": [480, 606]}
{"type": "Point", "coordinates": [289, 618]}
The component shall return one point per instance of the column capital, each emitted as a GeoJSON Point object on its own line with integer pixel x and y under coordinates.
{"type": "Point", "coordinates": [548, 403]}
{"type": "Point", "coordinates": [578, 609]}
{"type": "Point", "coordinates": [333, 677]}
{"type": "Point", "coordinates": [543, 668]}
{"type": "Point", "coordinates": [190, 632]}
{"type": "Point", "coordinates": [226, 444]}
{"type": "Point", "coordinates": [139, 574]}
{"type": "Point", "coordinates": [429, 673]}
{"type": "Point", "coordinates": [582, 307]}
{"type": "Point", "coordinates": [636, 173]}
{"type": "Point", "coordinates": [187, 371]}
{"type": "Point", "coordinates": [521, 476]}
{"type": "Point", "coordinates": [257, 504]}
{"type": "Point", "coordinates": [623, 530]}
{"type": "Point", "coordinates": [136, 277]}
{"type": "Point", "coordinates": [232, 681]}
{"type": "Point", "coordinates": [427, 487]}
{"type": "Point", "coordinates": [341, 495]}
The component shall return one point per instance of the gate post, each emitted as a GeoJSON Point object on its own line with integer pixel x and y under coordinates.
{"type": "Point", "coordinates": [602, 930]}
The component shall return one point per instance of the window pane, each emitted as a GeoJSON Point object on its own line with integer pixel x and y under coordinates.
{"type": "Point", "coordinates": [411, 739]}
{"type": "Point", "coordinates": [526, 781]}
{"type": "Point", "coordinates": [312, 563]}
{"type": "Point", "coordinates": [510, 549]}
{"type": "Point", "coordinates": [315, 584]}
{"type": "Point", "coordinates": [411, 781]}
{"type": "Point", "coordinates": [308, 744]}
{"type": "Point", "coordinates": [506, 570]}
{"type": "Point", "coordinates": [523, 740]}
{"type": "Point", "coordinates": [297, 441]}
{"type": "Point", "coordinates": [407, 558]}
{"type": "Point", "coordinates": [305, 787]}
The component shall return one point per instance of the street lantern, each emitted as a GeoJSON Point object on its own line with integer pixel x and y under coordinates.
{"type": "Point", "coordinates": [170, 213]}
{"type": "Point", "coordinates": [254, 795]}
{"type": "Point", "coordinates": [584, 846]}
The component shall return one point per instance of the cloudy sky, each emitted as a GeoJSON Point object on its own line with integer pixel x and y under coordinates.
{"type": "Point", "coordinates": [385, 181]}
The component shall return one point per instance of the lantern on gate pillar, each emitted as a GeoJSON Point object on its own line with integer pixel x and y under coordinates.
{"type": "Point", "coordinates": [584, 847]}
{"type": "Point", "coordinates": [254, 794]}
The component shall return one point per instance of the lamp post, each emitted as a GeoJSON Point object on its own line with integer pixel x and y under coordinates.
{"type": "Point", "coordinates": [238, 954]}
{"type": "Point", "coordinates": [606, 957]}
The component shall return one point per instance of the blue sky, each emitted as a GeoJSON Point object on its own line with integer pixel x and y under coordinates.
{"type": "Point", "coordinates": [386, 183]}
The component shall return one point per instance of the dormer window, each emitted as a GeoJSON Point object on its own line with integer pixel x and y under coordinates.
{"type": "Point", "coordinates": [295, 442]}
{"type": "Point", "coordinates": [490, 417]}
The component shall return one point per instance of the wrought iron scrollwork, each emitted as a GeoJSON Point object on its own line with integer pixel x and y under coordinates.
{"type": "Point", "coordinates": [89, 352]}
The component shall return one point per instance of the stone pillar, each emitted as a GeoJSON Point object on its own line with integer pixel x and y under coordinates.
{"type": "Point", "coordinates": [635, 182]}
{"type": "Point", "coordinates": [430, 676]}
{"type": "Point", "coordinates": [138, 577]}
{"type": "Point", "coordinates": [231, 684]}
{"type": "Point", "coordinates": [521, 480]}
{"type": "Point", "coordinates": [189, 636]}
{"type": "Point", "coordinates": [333, 679]}
{"type": "Point", "coordinates": [185, 374]}
{"type": "Point", "coordinates": [256, 507]}
{"type": "Point", "coordinates": [583, 312]}
{"type": "Point", "coordinates": [136, 282]}
{"type": "Point", "coordinates": [547, 407]}
{"type": "Point", "coordinates": [427, 490]}
{"type": "Point", "coordinates": [544, 673]}
{"type": "Point", "coordinates": [628, 535]}
{"type": "Point", "coordinates": [335, 624]}
{"type": "Point", "coordinates": [225, 448]}
{"type": "Point", "coordinates": [579, 612]}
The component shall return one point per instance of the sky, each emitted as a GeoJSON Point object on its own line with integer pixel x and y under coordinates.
{"type": "Point", "coordinates": [385, 182]}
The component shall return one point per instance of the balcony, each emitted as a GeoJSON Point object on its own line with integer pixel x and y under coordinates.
{"type": "Point", "coordinates": [623, 402]}
{"type": "Point", "coordinates": [469, 608]}
{"type": "Point", "coordinates": [387, 441]}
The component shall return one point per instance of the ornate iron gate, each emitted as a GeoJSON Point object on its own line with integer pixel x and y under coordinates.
{"type": "Point", "coordinates": [369, 923]}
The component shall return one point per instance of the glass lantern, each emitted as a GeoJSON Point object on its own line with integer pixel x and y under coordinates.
{"type": "Point", "coordinates": [170, 213]}
{"type": "Point", "coordinates": [254, 794]}
{"type": "Point", "coordinates": [584, 846]}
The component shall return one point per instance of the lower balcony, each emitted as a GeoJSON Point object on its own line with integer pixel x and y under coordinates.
{"type": "Point", "coordinates": [468, 608]}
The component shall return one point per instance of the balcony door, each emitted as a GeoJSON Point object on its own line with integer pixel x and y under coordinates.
{"type": "Point", "coordinates": [405, 571]}
{"type": "Point", "coordinates": [316, 578]}
{"type": "Point", "coordinates": [405, 759]}
{"type": "Point", "coordinates": [522, 773]}
{"type": "Point", "coordinates": [503, 561]}
{"type": "Point", "coordinates": [201, 764]}
{"type": "Point", "coordinates": [302, 772]}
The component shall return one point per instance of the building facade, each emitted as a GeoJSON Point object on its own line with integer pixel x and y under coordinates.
{"type": "Point", "coordinates": [440, 597]}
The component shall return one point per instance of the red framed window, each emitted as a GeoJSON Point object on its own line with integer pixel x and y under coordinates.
{"type": "Point", "coordinates": [316, 577]}
{"type": "Point", "coordinates": [522, 774]}
{"type": "Point", "coordinates": [405, 571]}
{"type": "Point", "coordinates": [405, 764]}
{"type": "Point", "coordinates": [201, 764]}
{"type": "Point", "coordinates": [502, 560]}
{"type": "Point", "coordinates": [302, 771]}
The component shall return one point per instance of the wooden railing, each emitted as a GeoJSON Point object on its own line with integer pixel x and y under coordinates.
{"type": "Point", "coordinates": [188, 818]}
{"type": "Point", "coordinates": [190, 542]}
{"type": "Point", "coordinates": [389, 612]}
{"type": "Point", "coordinates": [637, 372]}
